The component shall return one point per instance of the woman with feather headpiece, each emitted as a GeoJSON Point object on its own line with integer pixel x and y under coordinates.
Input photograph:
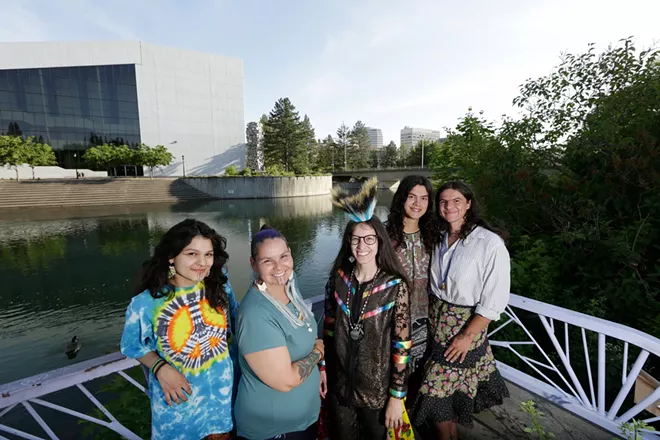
{"type": "Point", "coordinates": [367, 326]}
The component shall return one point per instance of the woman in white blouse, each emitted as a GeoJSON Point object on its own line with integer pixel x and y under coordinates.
{"type": "Point", "coordinates": [469, 284]}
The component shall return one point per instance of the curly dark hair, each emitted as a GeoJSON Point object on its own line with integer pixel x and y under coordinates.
{"type": "Point", "coordinates": [386, 259]}
{"type": "Point", "coordinates": [472, 216]}
{"type": "Point", "coordinates": [429, 227]}
{"type": "Point", "coordinates": [153, 276]}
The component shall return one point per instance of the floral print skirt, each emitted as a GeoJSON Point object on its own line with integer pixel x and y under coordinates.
{"type": "Point", "coordinates": [453, 391]}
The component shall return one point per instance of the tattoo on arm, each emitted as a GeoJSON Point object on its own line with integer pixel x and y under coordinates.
{"type": "Point", "coordinates": [307, 364]}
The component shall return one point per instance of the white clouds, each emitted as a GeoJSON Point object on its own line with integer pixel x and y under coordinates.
{"type": "Point", "coordinates": [424, 63]}
{"type": "Point", "coordinates": [386, 62]}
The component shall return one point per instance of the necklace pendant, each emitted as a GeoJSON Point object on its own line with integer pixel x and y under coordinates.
{"type": "Point", "coordinates": [309, 329]}
{"type": "Point", "coordinates": [443, 286]}
{"type": "Point", "coordinates": [357, 332]}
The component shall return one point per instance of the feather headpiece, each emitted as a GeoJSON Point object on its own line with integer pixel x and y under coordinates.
{"type": "Point", "coordinates": [358, 207]}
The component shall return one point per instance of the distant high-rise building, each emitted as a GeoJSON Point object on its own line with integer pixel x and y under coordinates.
{"type": "Point", "coordinates": [375, 137]}
{"type": "Point", "coordinates": [410, 136]}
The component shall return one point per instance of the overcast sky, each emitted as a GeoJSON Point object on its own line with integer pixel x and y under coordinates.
{"type": "Point", "coordinates": [388, 63]}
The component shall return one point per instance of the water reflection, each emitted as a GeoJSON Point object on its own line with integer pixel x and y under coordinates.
{"type": "Point", "coordinates": [71, 272]}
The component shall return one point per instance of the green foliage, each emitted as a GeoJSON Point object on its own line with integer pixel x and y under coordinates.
{"type": "Point", "coordinates": [391, 156]}
{"type": "Point", "coordinates": [15, 151]}
{"type": "Point", "coordinates": [414, 157]}
{"type": "Point", "coordinates": [150, 157]}
{"type": "Point", "coordinates": [278, 171]}
{"type": "Point", "coordinates": [342, 145]}
{"type": "Point", "coordinates": [359, 151]}
{"type": "Point", "coordinates": [231, 170]}
{"type": "Point", "coordinates": [108, 156]}
{"type": "Point", "coordinates": [246, 172]}
{"type": "Point", "coordinates": [128, 404]}
{"type": "Point", "coordinates": [286, 138]}
{"type": "Point", "coordinates": [631, 430]}
{"type": "Point", "coordinates": [101, 157]}
{"type": "Point", "coordinates": [529, 407]}
{"type": "Point", "coordinates": [575, 183]}
{"type": "Point", "coordinates": [327, 155]}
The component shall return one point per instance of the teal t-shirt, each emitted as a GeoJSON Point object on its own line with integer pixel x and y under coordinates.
{"type": "Point", "coordinates": [262, 412]}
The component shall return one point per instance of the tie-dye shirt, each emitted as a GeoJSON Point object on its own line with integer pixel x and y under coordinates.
{"type": "Point", "coordinates": [194, 338]}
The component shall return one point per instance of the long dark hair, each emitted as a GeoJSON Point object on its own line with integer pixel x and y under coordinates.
{"type": "Point", "coordinates": [472, 216]}
{"type": "Point", "coordinates": [386, 259]}
{"type": "Point", "coordinates": [154, 278]}
{"type": "Point", "coordinates": [428, 225]}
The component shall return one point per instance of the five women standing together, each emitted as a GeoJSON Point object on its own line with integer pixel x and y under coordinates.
{"type": "Point", "coordinates": [407, 307]}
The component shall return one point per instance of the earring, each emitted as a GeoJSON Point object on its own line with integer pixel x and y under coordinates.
{"type": "Point", "coordinates": [351, 259]}
{"type": "Point", "coordinates": [171, 272]}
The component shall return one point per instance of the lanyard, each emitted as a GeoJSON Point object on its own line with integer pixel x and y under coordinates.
{"type": "Point", "coordinates": [443, 286]}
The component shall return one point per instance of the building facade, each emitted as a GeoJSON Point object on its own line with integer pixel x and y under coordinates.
{"type": "Point", "coordinates": [375, 137]}
{"type": "Point", "coordinates": [410, 136]}
{"type": "Point", "coordinates": [76, 95]}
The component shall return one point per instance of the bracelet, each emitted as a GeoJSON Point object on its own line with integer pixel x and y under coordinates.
{"type": "Point", "coordinates": [155, 365]}
{"type": "Point", "coordinates": [322, 365]}
{"type": "Point", "coordinates": [397, 394]}
{"type": "Point", "coordinates": [158, 368]}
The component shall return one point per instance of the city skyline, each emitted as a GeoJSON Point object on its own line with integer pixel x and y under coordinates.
{"type": "Point", "coordinates": [477, 57]}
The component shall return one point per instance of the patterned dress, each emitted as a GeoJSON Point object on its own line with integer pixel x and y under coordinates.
{"type": "Point", "coordinates": [415, 261]}
{"type": "Point", "coordinates": [195, 339]}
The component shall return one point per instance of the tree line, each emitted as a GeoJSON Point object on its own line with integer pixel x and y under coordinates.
{"type": "Point", "coordinates": [575, 181]}
{"type": "Point", "coordinates": [289, 145]}
{"type": "Point", "coordinates": [16, 150]}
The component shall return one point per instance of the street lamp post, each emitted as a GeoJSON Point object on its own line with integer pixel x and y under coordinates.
{"type": "Point", "coordinates": [422, 155]}
{"type": "Point", "coordinates": [75, 163]}
{"type": "Point", "coordinates": [183, 161]}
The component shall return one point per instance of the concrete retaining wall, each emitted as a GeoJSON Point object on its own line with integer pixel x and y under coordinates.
{"type": "Point", "coordinates": [261, 187]}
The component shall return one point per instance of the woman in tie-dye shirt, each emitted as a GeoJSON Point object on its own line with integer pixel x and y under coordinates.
{"type": "Point", "coordinates": [179, 326]}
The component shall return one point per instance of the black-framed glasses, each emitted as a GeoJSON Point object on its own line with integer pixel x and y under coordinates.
{"type": "Point", "coordinates": [368, 239]}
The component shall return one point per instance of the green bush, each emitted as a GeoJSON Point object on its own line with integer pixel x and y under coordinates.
{"type": "Point", "coordinates": [231, 170]}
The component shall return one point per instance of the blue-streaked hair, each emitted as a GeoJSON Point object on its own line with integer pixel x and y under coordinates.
{"type": "Point", "coordinates": [266, 232]}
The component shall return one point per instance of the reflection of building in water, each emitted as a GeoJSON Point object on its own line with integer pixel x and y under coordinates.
{"type": "Point", "coordinates": [36, 230]}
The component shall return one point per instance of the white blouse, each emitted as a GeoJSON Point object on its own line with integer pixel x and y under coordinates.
{"type": "Point", "coordinates": [479, 273]}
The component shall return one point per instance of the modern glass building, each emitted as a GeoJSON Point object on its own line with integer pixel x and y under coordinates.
{"type": "Point", "coordinates": [76, 95]}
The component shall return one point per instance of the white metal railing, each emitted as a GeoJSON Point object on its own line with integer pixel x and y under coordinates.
{"type": "Point", "coordinates": [578, 395]}
{"type": "Point", "coordinates": [29, 392]}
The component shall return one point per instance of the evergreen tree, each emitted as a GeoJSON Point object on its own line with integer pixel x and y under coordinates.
{"type": "Point", "coordinates": [327, 155]}
{"type": "Point", "coordinates": [311, 146]}
{"type": "Point", "coordinates": [390, 156]}
{"type": "Point", "coordinates": [284, 143]}
{"type": "Point", "coordinates": [342, 145]}
{"type": "Point", "coordinates": [360, 147]}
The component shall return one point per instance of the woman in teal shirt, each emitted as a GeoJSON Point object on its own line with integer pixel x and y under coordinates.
{"type": "Point", "coordinates": [279, 391]}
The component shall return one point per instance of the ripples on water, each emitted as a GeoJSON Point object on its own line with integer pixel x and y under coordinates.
{"type": "Point", "coordinates": [71, 272]}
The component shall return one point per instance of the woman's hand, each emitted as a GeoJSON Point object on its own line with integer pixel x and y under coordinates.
{"type": "Point", "coordinates": [459, 347]}
{"type": "Point", "coordinates": [394, 413]}
{"type": "Point", "coordinates": [318, 346]}
{"type": "Point", "coordinates": [173, 384]}
{"type": "Point", "coordinates": [324, 384]}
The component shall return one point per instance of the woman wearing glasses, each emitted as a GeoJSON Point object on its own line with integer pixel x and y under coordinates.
{"type": "Point", "coordinates": [367, 327]}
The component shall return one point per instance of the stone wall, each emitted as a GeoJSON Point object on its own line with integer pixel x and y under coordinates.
{"type": "Point", "coordinates": [261, 187]}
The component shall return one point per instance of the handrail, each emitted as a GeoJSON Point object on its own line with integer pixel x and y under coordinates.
{"type": "Point", "coordinates": [568, 391]}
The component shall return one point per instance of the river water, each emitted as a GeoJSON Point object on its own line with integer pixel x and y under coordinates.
{"type": "Point", "coordinates": [71, 272]}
